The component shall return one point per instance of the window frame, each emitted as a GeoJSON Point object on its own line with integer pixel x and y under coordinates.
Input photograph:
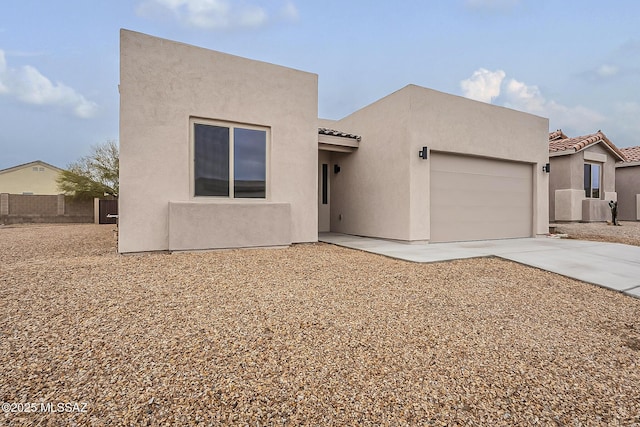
{"type": "Point", "coordinates": [591, 164]}
{"type": "Point", "coordinates": [231, 126]}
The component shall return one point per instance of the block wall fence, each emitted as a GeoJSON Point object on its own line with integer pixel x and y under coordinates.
{"type": "Point", "coordinates": [27, 208]}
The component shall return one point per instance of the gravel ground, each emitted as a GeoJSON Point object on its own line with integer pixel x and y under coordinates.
{"type": "Point", "coordinates": [309, 335]}
{"type": "Point", "coordinates": [628, 232]}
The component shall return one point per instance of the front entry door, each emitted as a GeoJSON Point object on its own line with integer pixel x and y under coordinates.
{"type": "Point", "coordinates": [324, 177]}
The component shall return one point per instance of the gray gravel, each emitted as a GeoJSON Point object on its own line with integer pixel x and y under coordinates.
{"type": "Point", "coordinates": [628, 232]}
{"type": "Point", "coordinates": [309, 335]}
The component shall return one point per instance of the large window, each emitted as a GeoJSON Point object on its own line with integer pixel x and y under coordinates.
{"type": "Point", "coordinates": [592, 180]}
{"type": "Point", "coordinates": [229, 160]}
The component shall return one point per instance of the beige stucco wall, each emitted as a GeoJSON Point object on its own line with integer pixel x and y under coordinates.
{"type": "Point", "coordinates": [564, 172]}
{"type": "Point", "coordinates": [191, 226]}
{"type": "Point", "coordinates": [26, 180]}
{"type": "Point", "coordinates": [567, 173]}
{"type": "Point", "coordinates": [568, 204]}
{"type": "Point", "coordinates": [370, 195]}
{"type": "Point", "coordinates": [628, 189]}
{"type": "Point", "coordinates": [164, 83]}
{"type": "Point", "coordinates": [595, 210]}
{"type": "Point", "coordinates": [383, 187]}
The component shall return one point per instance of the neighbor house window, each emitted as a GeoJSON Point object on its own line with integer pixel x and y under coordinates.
{"type": "Point", "coordinates": [229, 160]}
{"type": "Point", "coordinates": [592, 181]}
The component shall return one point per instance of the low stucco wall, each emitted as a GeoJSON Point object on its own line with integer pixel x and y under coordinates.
{"type": "Point", "coordinates": [568, 204]}
{"type": "Point", "coordinates": [194, 225]}
{"type": "Point", "coordinates": [595, 210]}
{"type": "Point", "coordinates": [563, 177]}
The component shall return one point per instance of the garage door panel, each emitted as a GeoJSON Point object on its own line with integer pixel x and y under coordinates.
{"type": "Point", "coordinates": [481, 215]}
{"type": "Point", "coordinates": [465, 197]}
{"type": "Point", "coordinates": [497, 184]}
{"type": "Point", "coordinates": [474, 198]}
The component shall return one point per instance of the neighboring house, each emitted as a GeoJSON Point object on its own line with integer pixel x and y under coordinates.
{"type": "Point", "coordinates": [219, 151]}
{"type": "Point", "coordinates": [628, 185]}
{"type": "Point", "coordinates": [582, 179]}
{"type": "Point", "coordinates": [30, 178]}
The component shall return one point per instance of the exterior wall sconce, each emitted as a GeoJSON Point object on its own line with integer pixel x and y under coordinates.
{"type": "Point", "coordinates": [547, 168]}
{"type": "Point", "coordinates": [424, 153]}
{"type": "Point", "coordinates": [336, 168]}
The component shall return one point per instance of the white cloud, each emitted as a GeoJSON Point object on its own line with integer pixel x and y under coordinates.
{"type": "Point", "coordinates": [483, 85]}
{"type": "Point", "coordinates": [606, 70]}
{"type": "Point", "coordinates": [529, 98]}
{"type": "Point", "coordinates": [217, 14]}
{"type": "Point", "coordinates": [29, 86]}
{"type": "Point", "coordinates": [290, 11]}
{"type": "Point", "coordinates": [492, 86]}
{"type": "Point", "coordinates": [523, 97]}
{"type": "Point", "coordinates": [253, 16]}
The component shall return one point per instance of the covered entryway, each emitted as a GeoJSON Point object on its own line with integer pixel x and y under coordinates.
{"type": "Point", "coordinates": [330, 141]}
{"type": "Point", "coordinates": [476, 198]}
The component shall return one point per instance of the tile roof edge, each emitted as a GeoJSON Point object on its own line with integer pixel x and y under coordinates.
{"type": "Point", "coordinates": [340, 134]}
{"type": "Point", "coordinates": [611, 145]}
{"type": "Point", "coordinates": [583, 142]}
{"type": "Point", "coordinates": [634, 151]}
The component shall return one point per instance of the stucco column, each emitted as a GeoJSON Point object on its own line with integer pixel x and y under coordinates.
{"type": "Point", "coordinates": [60, 204]}
{"type": "Point", "coordinates": [4, 204]}
{"type": "Point", "coordinates": [96, 210]}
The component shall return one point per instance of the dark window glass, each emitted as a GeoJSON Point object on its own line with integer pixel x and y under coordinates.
{"type": "Point", "coordinates": [249, 163]}
{"type": "Point", "coordinates": [325, 182]}
{"type": "Point", "coordinates": [592, 181]}
{"type": "Point", "coordinates": [211, 156]}
{"type": "Point", "coordinates": [587, 180]}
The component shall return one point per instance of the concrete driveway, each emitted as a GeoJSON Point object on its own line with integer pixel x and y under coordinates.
{"type": "Point", "coordinates": [611, 265]}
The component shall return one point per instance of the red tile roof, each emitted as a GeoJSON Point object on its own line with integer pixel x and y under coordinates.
{"type": "Point", "coordinates": [553, 136]}
{"type": "Point", "coordinates": [631, 153]}
{"type": "Point", "coordinates": [558, 141]}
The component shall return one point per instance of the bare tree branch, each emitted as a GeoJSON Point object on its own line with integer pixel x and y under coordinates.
{"type": "Point", "coordinates": [93, 175]}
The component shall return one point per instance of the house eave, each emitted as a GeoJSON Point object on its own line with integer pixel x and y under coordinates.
{"type": "Point", "coordinates": [574, 151]}
{"type": "Point", "coordinates": [606, 146]}
{"type": "Point", "coordinates": [337, 143]}
{"type": "Point", "coordinates": [628, 164]}
{"type": "Point", "coordinates": [561, 153]}
{"type": "Point", "coordinates": [29, 164]}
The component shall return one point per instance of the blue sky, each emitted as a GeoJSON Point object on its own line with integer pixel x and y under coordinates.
{"type": "Point", "coordinates": [574, 61]}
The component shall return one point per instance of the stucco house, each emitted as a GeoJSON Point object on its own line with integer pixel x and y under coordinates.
{"type": "Point", "coordinates": [628, 185]}
{"type": "Point", "coordinates": [582, 179]}
{"type": "Point", "coordinates": [219, 151]}
{"type": "Point", "coordinates": [35, 177]}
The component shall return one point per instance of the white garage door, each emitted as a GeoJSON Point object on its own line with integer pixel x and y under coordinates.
{"type": "Point", "coordinates": [477, 199]}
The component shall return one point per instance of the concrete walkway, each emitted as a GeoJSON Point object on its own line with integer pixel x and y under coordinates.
{"type": "Point", "coordinates": [611, 265]}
